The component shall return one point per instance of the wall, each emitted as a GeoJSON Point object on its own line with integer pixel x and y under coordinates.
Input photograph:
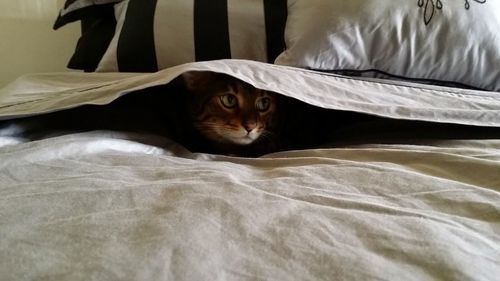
{"type": "Point", "coordinates": [28, 44]}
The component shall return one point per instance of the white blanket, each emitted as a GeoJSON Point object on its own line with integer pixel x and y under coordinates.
{"type": "Point", "coordinates": [48, 92]}
{"type": "Point", "coordinates": [114, 206]}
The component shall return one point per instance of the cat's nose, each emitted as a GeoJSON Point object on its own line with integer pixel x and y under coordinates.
{"type": "Point", "coordinates": [249, 126]}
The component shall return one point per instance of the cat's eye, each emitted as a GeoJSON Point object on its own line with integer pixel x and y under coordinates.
{"type": "Point", "coordinates": [229, 101]}
{"type": "Point", "coordinates": [263, 104]}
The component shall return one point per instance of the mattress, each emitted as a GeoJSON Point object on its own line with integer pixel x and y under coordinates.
{"type": "Point", "coordinates": [113, 205]}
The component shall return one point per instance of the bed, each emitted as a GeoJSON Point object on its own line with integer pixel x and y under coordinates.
{"type": "Point", "coordinates": [117, 205]}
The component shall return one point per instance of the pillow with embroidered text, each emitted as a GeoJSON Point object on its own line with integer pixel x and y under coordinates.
{"type": "Point", "coordinates": [455, 42]}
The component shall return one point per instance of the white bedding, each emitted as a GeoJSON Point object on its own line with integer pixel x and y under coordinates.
{"type": "Point", "coordinates": [115, 206]}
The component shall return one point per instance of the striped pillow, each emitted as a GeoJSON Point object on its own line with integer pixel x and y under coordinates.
{"type": "Point", "coordinates": [98, 23]}
{"type": "Point", "coordinates": [156, 34]}
{"type": "Point", "coordinates": [75, 10]}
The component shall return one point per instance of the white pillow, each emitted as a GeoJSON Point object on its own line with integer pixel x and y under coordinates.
{"type": "Point", "coordinates": [455, 41]}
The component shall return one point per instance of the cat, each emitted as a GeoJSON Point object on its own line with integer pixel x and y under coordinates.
{"type": "Point", "coordinates": [229, 116]}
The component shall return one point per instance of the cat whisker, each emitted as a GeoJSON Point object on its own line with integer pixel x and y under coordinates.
{"type": "Point", "coordinates": [266, 135]}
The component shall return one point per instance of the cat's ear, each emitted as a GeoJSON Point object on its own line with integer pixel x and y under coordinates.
{"type": "Point", "coordinates": [198, 79]}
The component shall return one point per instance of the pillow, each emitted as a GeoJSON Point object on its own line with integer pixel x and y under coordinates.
{"type": "Point", "coordinates": [98, 27]}
{"type": "Point", "coordinates": [156, 34]}
{"type": "Point", "coordinates": [454, 41]}
{"type": "Point", "coordinates": [75, 10]}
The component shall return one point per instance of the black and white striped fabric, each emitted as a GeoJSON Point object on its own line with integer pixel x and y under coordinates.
{"type": "Point", "coordinates": [98, 25]}
{"type": "Point", "coordinates": [156, 34]}
{"type": "Point", "coordinates": [75, 10]}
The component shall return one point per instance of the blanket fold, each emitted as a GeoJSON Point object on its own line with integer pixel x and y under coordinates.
{"type": "Point", "coordinates": [42, 93]}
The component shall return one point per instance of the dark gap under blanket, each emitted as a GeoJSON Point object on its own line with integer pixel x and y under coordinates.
{"type": "Point", "coordinates": [160, 110]}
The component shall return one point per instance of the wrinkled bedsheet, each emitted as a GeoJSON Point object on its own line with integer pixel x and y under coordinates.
{"type": "Point", "coordinates": [105, 206]}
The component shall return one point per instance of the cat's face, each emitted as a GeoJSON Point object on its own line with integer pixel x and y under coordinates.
{"type": "Point", "coordinates": [227, 110]}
